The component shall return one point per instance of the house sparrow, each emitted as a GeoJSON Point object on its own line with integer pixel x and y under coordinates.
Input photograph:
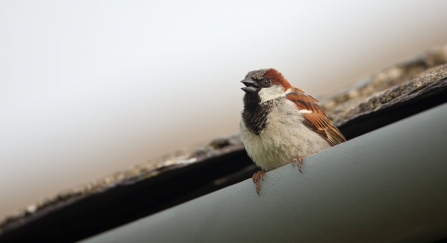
{"type": "Point", "coordinates": [282, 124]}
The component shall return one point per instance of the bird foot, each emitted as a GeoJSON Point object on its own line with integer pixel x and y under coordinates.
{"type": "Point", "coordinates": [299, 161]}
{"type": "Point", "coordinates": [256, 176]}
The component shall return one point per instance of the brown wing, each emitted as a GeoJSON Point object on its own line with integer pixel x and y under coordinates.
{"type": "Point", "coordinates": [314, 117]}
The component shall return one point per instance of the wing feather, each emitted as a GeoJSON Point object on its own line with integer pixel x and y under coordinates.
{"type": "Point", "coordinates": [314, 117]}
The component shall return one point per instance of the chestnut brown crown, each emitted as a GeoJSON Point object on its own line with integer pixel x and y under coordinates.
{"type": "Point", "coordinates": [263, 78]}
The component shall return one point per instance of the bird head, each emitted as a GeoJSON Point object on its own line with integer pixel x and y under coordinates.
{"type": "Point", "coordinates": [267, 84]}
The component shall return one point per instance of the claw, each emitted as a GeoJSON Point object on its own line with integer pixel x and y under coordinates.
{"type": "Point", "coordinates": [256, 176]}
{"type": "Point", "coordinates": [299, 161]}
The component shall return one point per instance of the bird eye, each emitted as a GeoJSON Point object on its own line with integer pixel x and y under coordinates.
{"type": "Point", "coordinates": [265, 82]}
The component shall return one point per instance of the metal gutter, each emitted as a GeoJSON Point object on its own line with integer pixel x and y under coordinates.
{"type": "Point", "coordinates": [389, 185]}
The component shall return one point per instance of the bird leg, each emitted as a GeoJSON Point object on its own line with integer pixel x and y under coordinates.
{"type": "Point", "coordinates": [256, 176]}
{"type": "Point", "coordinates": [299, 161]}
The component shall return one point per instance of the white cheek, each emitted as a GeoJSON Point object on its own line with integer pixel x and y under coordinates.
{"type": "Point", "coordinates": [271, 93]}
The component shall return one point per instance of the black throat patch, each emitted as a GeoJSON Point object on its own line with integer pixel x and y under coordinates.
{"type": "Point", "coordinates": [255, 114]}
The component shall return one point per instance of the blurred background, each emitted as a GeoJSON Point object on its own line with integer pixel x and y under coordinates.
{"type": "Point", "coordinates": [88, 88]}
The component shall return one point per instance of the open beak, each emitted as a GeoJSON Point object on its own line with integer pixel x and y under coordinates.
{"type": "Point", "coordinates": [250, 86]}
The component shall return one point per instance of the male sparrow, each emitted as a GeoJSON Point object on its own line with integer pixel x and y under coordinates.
{"type": "Point", "coordinates": [282, 124]}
